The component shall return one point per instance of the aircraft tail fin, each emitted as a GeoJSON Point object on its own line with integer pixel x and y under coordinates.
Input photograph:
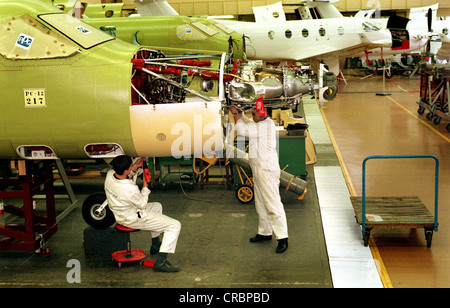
{"type": "Point", "coordinates": [421, 13]}
{"type": "Point", "coordinates": [269, 13]}
{"type": "Point", "coordinates": [368, 13]}
{"type": "Point", "coordinates": [154, 8]}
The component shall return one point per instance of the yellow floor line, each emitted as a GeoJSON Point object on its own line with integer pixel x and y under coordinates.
{"type": "Point", "coordinates": [384, 276]}
{"type": "Point", "coordinates": [419, 119]}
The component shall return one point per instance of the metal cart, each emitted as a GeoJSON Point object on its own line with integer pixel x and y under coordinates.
{"type": "Point", "coordinates": [435, 93]}
{"type": "Point", "coordinates": [172, 170]}
{"type": "Point", "coordinates": [395, 212]}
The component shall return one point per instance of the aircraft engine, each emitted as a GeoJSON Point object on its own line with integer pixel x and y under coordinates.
{"type": "Point", "coordinates": [277, 86]}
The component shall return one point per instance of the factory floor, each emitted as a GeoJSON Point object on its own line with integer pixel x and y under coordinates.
{"type": "Point", "coordinates": [213, 249]}
{"type": "Point", "coordinates": [325, 245]}
{"type": "Point", "coordinates": [361, 124]}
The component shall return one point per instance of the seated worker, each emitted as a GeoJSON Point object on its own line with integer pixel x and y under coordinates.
{"type": "Point", "coordinates": [131, 209]}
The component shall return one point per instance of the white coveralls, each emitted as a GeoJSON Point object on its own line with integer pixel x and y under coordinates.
{"type": "Point", "coordinates": [131, 209]}
{"type": "Point", "coordinates": [263, 159]}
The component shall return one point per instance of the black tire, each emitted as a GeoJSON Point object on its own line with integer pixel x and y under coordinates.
{"type": "Point", "coordinates": [366, 236]}
{"type": "Point", "coordinates": [102, 221]}
{"type": "Point", "coordinates": [437, 120]}
{"type": "Point", "coordinates": [428, 236]}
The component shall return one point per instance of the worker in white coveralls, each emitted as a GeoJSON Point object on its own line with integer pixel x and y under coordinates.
{"type": "Point", "coordinates": [263, 159]}
{"type": "Point", "coordinates": [131, 209]}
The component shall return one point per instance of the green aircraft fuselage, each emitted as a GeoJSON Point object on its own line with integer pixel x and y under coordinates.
{"type": "Point", "coordinates": [175, 32]}
{"type": "Point", "coordinates": [65, 85]}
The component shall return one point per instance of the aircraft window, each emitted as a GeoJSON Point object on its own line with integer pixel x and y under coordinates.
{"type": "Point", "coordinates": [445, 31]}
{"type": "Point", "coordinates": [288, 33]}
{"type": "Point", "coordinates": [275, 15]}
{"type": "Point", "coordinates": [322, 31]}
{"type": "Point", "coordinates": [341, 30]}
{"type": "Point", "coordinates": [271, 34]}
{"type": "Point", "coordinates": [25, 38]}
{"type": "Point", "coordinates": [204, 28]}
{"type": "Point", "coordinates": [369, 27]}
{"type": "Point", "coordinates": [81, 33]}
{"type": "Point", "coordinates": [109, 13]}
{"type": "Point", "coordinates": [305, 32]}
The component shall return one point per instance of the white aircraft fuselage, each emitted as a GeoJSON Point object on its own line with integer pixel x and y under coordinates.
{"type": "Point", "coordinates": [301, 39]}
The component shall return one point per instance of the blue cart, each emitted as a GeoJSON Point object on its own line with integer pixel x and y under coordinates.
{"type": "Point", "coordinates": [395, 212]}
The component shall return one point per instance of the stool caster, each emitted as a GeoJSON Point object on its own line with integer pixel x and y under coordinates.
{"type": "Point", "coordinates": [128, 255]}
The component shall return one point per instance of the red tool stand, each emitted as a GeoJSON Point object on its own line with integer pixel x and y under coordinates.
{"type": "Point", "coordinates": [33, 177]}
{"type": "Point", "coordinates": [129, 255]}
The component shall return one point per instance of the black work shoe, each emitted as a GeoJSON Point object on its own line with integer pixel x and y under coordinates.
{"type": "Point", "coordinates": [260, 238]}
{"type": "Point", "coordinates": [282, 245]}
{"type": "Point", "coordinates": [166, 267]}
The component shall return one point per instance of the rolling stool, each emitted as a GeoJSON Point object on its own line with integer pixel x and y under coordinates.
{"type": "Point", "coordinates": [129, 255]}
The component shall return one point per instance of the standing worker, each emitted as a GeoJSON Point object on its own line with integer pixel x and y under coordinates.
{"type": "Point", "coordinates": [131, 209]}
{"type": "Point", "coordinates": [263, 159]}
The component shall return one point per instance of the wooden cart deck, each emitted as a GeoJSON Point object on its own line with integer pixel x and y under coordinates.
{"type": "Point", "coordinates": [393, 213]}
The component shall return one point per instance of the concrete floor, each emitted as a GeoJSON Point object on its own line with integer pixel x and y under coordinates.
{"type": "Point", "coordinates": [213, 250]}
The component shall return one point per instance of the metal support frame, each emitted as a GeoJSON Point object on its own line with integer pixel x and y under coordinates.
{"type": "Point", "coordinates": [37, 228]}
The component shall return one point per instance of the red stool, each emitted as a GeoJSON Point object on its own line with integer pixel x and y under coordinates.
{"type": "Point", "coordinates": [129, 255]}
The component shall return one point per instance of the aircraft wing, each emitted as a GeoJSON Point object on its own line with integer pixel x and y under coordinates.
{"type": "Point", "coordinates": [310, 52]}
{"type": "Point", "coordinates": [154, 8]}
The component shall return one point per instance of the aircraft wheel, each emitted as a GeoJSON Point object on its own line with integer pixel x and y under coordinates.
{"type": "Point", "coordinates": [97, 221]}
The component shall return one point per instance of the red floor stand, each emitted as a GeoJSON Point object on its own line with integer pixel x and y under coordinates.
{"type": "Point", "coordinates": [128, 255]}
{"type": "Point", "coordinates": [30, 233]}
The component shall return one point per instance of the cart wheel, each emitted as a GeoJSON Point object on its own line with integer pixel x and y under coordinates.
{"type": "Point", "coordinates": [437, 120]}
{"type": "Point", "coordinates": [447, 127]}
{"type": "Point", "coordinates": [245, 194]}
{"type": "Point", "coordinates": [366, 236]}
{"type": "Point", "coordinates": [428, 236]}
{"type": "Point", "coordinates": [421, 110]}
{"type": "Point", "coordinates": [430, 116]}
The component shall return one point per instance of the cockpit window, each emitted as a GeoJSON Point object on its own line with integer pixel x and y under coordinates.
{"type": "Point", "coordinates": [81, 33]}
{"type": "Point", "coordinates": [24, 38]}
{"type": "Point", "coordinates": [370, 27]}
